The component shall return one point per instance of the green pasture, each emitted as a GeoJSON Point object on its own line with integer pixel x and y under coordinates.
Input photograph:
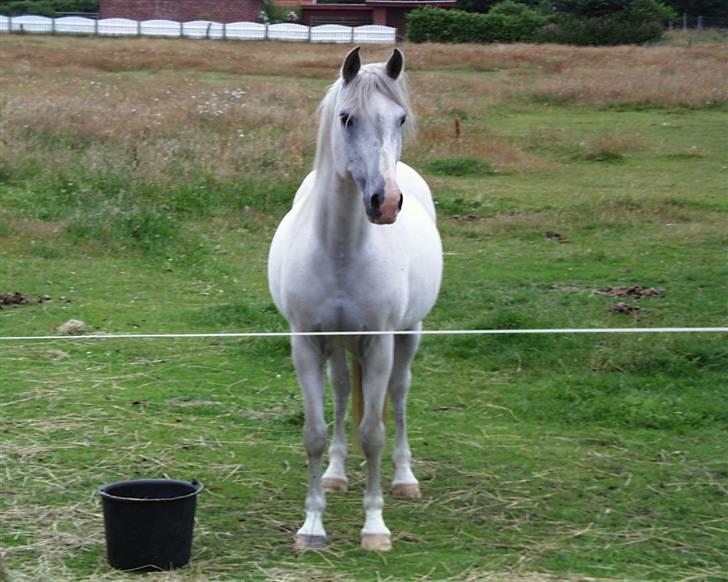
{"type": "Point", "coordinates": [540, 457]}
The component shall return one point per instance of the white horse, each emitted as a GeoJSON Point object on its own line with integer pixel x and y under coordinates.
{"type": "Point", "coordinates": [336, 264]}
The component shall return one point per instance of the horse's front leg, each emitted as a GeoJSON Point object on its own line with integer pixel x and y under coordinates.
{"type": "Point", "coordinates": [376, 362]}
{"type": "Point", "coordinates": [334, 478]}
{"type": "Point", "coordinates": [404, 483]}
{"type": "Point", "coordinates": [308, 358]}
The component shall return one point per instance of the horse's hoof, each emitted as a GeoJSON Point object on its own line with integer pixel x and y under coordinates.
{"type": "Point", "coordinates": [376, 542]}
{"type": "Point", "coordinates": [333, 485]}
{"type": "Point", "coordinates": [306, 542]}
{"type": "Point", "coordinates": [407, 490]}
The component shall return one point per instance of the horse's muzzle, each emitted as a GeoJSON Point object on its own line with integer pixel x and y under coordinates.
{"type": "Point", "coordinates": [383, 209]}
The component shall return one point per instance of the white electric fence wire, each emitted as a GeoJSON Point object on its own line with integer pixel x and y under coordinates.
{"type": "Point", "coordinates": [265, 334]}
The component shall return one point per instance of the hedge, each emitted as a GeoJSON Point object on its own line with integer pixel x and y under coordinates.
{"type": "Point", "coordinates": [505, 22]}
{"type": "Point", "coordinates": [633, 22]}
{"type": "Point", "coordinates": [47, 7]}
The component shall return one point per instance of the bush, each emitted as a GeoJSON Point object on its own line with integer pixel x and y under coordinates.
{"type": "Point", "coordinates": [515, 22]}
{"type": "Point", "coordinates": [628, 23]}
{"type": "Point", "coordinates": [276, 13]}
{"type": "Point", "coordinates": [47, 7]}
{"type": "Point", "coordinates": [505, 22]}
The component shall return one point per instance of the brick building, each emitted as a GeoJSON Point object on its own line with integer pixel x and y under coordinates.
{"type": "Point", "coordinates": [182, 10]}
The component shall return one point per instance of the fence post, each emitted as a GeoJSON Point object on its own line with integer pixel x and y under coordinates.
{"type": "Point", "coordinates": [53, 26]}
{"type": "Point", "coordinates": [96, 26]}
{"type": "Point", "coordinates": [309, 33]}
{"type": "Point", "coordinates": [266, 31]}
{"type": "Point", "coordinates": [181, 29]}
{"type": "Point", "coordinates": [224, 30]}
{"type": "Point", "coordinates": [139, 27]}
{"type": "Point", "coordinates": [685, 21]}
{"type": "Point", "coordinates": [352, 35]}
{"type": "Point", "coordinates": [700, 23]}
{"type": "Point", "coordinates": [207, 32]}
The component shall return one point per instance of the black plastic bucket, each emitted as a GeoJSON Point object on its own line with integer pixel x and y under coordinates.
{"type": "Point", "coordinates": [149, 523]}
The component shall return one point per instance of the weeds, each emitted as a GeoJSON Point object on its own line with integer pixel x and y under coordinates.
{"type": "Point", "coordinates": [611, 148]}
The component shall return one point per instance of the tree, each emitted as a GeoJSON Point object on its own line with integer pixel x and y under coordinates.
{"type": "Point", "coordinates": [481, 6]}
{"type": "Point", "coordinates": [590, 8]}
{"type": "Point", "coordinates": [709, 8]}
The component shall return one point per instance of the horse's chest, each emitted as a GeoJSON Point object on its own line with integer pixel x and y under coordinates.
{"type": "Point", "coordinates": [349, 294]}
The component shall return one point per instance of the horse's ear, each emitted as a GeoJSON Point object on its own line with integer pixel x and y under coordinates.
{"type": "Point", "coordinates": [352, 64]}
{"type": "Point", "coordinates": [395, 64]}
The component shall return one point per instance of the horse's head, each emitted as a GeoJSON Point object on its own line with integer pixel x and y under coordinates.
{"type": "Point", "coordinates": [369, 112]}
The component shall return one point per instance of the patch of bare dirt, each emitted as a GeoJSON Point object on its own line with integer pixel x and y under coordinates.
{"type": "Point", "coordinates": [633, 292]}
{"type": "Point", "coordinates": [465, 218]}
{"type": "Point", "coordinates": [623, 308]}
{"type": "Point", "coordinates": [13, 299]}
{"type": "Point", "coordinates": [557, 236]}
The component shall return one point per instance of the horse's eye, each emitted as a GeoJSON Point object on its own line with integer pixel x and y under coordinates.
{"type": "Point", "coordinates": [401, 121]}
{"type": "Point", "coordinates": [346, 120]}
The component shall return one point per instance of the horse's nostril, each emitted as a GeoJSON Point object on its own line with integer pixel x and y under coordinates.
{"type": "Point", "coordinates": [401, 200]}
{"type": "Point", "coordinates": [376, 201]}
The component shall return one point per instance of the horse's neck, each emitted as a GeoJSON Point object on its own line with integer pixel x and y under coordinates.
{"type": "Point", "coordinates": [340, 218]}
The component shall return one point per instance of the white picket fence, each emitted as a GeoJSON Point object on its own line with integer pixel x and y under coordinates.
{"type": "Point", "coordinates": [374, 34]}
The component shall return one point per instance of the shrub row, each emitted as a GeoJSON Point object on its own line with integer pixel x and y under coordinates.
{"type": "Point", "coordinates": [633, 22]}
{"type": "Point", "coordinates": [47, 7]}
{"type": "Point", "coordinates": [505, 22]}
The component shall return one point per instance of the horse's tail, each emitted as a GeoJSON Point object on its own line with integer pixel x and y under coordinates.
{"type": "Point", "coordinates": [357, 404]}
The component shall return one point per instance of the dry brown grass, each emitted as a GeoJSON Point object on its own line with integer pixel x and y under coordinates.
{"type": "Point", "coordinates": [146, 128]}
{"type": "Point", "coordinates": [117, 55]}
{"type": "Point", "coordinates": [172, 110]}
{"type": "Point", "coordinates": [668, 76]}
{"type": "Point", "coordinates": [437, 138]}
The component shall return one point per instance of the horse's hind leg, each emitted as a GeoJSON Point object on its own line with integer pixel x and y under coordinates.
{"type": "Point", "coordinates": [309, 361]}
{"type": "Point", "coordinates": [404, 483]}
{"type": "Point", "coordinates": [334, 478]}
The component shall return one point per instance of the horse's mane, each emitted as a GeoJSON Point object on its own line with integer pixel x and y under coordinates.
{"type": "Point", "coordinates": [371, 78]}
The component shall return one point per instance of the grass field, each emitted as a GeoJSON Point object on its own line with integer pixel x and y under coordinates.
{"type": "Point", "coordinates": [140, 184]}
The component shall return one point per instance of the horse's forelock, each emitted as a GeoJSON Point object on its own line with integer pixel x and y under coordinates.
{"type": "Point", "coordinates": [374, 78]}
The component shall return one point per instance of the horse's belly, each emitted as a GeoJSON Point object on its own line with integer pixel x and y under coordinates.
{"type": "Point", "coordinates": [421, 271]}
{"type": "Point", "coordinates": [324, 299]}
{"type": "Point", "coordinates": [423, 286]}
